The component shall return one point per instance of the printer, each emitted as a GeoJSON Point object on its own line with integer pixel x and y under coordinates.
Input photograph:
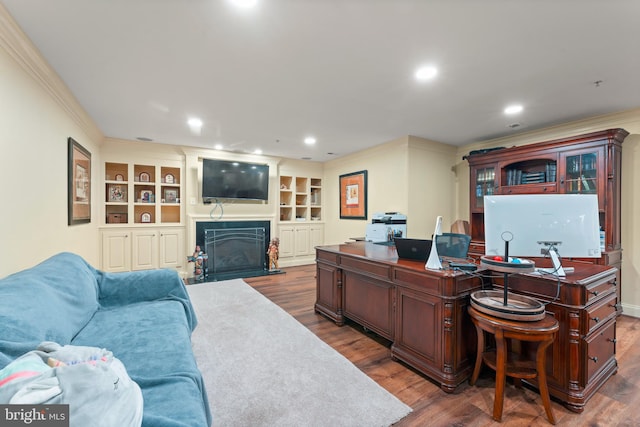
{"type": "Point", "coordinates": [385, 226]}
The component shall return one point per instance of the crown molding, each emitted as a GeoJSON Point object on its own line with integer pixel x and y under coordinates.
{"type": "Point", "coordinates": [18, 45]}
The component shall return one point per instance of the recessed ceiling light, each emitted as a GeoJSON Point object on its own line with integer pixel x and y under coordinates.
{"type": "Point", "coordinates": [218, 147]}
{"type": "Point", "coordinates": [194, 122]}
{"type": "Point", "coordinates": [309, 140]}
{"type": "Point", "coordinates": [257, 151]}
{"type": "Point", "coordinates": [426, 73]}
{"type": "Point", "coordinates": [513, 109]}
{"type": "Point", "coordinates": [245, 4]}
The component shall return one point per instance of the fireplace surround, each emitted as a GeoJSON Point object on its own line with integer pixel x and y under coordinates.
{"type": "Point", "coordinates": [234, 248]}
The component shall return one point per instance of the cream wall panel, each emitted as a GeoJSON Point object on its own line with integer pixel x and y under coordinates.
{"type": "Point", "coordinates": [34, 128]}
{"type": "Point", "coordinates": [431, 186]}
{"type": "Point", "coordinates": [386, 167]}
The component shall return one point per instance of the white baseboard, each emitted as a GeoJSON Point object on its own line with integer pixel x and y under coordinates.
{"type": "Point", "coordinates": [631, 310]}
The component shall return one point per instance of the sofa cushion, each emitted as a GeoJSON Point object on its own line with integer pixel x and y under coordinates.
{"type": "Point", "coordinates": [49, 302]}
{"type": "Point", "coordinates": [153, 340]}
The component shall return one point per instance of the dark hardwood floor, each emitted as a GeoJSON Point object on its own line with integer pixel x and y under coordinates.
{"type": "Point", "coordinates": [617, 403]}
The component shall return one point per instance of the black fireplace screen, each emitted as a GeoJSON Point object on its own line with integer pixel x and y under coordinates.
{"type": "Point", "coordinates": [235, 249]}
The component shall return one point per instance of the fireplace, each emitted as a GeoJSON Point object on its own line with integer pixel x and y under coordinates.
{"type": "Point", "coordinates": [234, 248]}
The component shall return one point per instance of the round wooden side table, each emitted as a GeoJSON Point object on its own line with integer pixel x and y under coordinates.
{"type": "Point", "coordinates": [541, 331]}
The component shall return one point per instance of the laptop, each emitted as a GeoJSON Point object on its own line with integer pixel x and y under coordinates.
{"type": "Point", "coordinates": [417, 249]}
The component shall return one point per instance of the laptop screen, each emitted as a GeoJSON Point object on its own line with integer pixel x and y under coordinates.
{"type": "Point", "coordinates": [417, 249]}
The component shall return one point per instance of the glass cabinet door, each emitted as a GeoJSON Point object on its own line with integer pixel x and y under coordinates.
{"type": "Point", "coordinates": [485, 185]}
{"type": "Point", "coordinates": [581, 173]}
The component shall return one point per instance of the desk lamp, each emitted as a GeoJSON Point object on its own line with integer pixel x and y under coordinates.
{"type": "Point", "coordinates": [433, 262]}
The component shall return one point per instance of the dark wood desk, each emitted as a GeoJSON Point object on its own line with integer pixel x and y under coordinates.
{"type": "Point", "coordinates": [424, 314]}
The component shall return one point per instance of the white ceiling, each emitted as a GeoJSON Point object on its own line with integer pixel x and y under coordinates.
{"type": "Point", "coordinates": [340, 70]}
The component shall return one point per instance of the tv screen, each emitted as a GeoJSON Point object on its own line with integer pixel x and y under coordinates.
{"type": "Point", "coordinates": [571, 219]}
{"type": "Point", "coordinates": [224, 179]}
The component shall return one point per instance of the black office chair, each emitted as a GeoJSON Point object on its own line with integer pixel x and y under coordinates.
{"type": "Point", "coordinates": [453, 245]}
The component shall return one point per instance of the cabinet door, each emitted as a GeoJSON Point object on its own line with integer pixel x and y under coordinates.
{"type": "Point", "coordinates": [316, 236]}
{"type": "Point", "coordinates": [419, 325]}
{"type": "Point", "coordinates": [301, 244]}
{"type": "Point", "coordinates": [329, 291]}
{"type": "Point", "coordinates": [483, 183]}
{"type": "Point", "coordinates": [116, 251]}
{"type": "Point", "coordinates": [286, 241]}
{"type": "Point", "coordinates": [583, 172]}
{"type": "Point", "coordinates": [172, 248]}
{"type": "Point", "coordinates": [145, 250]}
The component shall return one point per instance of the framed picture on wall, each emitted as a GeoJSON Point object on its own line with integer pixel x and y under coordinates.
{"type": "Point", "coordinates": [78, 183]}
{"type": "Point", "coordinates": [353, 195]}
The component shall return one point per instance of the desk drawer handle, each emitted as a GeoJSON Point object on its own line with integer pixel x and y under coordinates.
{"type": "Point", "coordinates": [596, 319]}
{"type": "Point", "coordinates": [595, 293]}
{"type": "Point", "coordinates": [613, 340]}
{"type": "Point", "coordinates": [594, 358]}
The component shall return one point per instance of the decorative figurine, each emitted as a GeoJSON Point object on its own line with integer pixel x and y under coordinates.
{"type": "Point", "coordinates": [274, 253]}
{"type": "Point", "coordinates": [199, 259]}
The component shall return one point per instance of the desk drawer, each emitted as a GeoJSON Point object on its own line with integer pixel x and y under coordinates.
{"type": "Point", "coordinates": [329, 257]}
{"type": "Point", "coordinates": [419, 281]}
{"type": "Point", "coordinates": [370, 268]}
{"type": "Point", "coordinates": [596, 290]}
{"type": "Point", "coordinates": [600, 349]}
{"type": "Point", "coordinates": [598, 314]}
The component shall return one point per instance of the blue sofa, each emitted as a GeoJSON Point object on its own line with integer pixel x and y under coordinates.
{"type": "Point", "coordinates": [145, 318]}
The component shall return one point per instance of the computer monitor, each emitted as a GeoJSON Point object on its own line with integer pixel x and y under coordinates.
{"type": "Point", "coordinates": [533, 224]}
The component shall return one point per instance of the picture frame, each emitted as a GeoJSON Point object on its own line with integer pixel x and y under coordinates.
{"type": "Point", "coordinates": [145, 217]}
{"type": "Point", "coordinates": [144, 177]}
{"type": "Point", "coordinates": [171, 196]}
{"type": "Point", "coordinates": [78, 183]}
{"type": "Point", "coordinates": [146, 196]}
{"type": "Point", "coordinates": [117, 193]}
{"type": "Point", "coordinates": [353, 195]}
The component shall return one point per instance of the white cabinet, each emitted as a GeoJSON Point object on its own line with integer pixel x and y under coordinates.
{"type": "Point", "coordinates": [172, 248]}
{"type": "Point", "coordinates": [301, 246]}
{"type": "Point", "coordinates": [287, 241]}
{"type": "Point", "coordinates": [143, 249]}
{"type": "Point", "coordinates": [298, 242]}
{"type": "Point", "coordinates": [144, 254]}
{"type": "Point", "coordinates": [116, 250]}
{"type": "Point", "coordinates": [300, 209]}
{"type": "Point", "coordinates": [316, 237]}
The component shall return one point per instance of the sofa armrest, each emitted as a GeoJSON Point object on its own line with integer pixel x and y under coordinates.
{"type": "Point", "coordinates": [118, 289]}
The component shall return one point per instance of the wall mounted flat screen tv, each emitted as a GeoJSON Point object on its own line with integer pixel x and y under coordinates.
{"type": "Point", "coordinates": [572, 220]}
{"type": "Point", "coordinates": [224, 179]}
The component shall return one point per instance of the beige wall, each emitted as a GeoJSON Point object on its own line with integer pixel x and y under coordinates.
{"type": "Point", "coordinates": [34, 127]}
{"type": "Point", "coordinates": [628, 120]}
{"type": "Point", "coordinates": [409, 175]}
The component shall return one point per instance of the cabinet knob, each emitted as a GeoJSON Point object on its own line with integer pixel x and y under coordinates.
{"type": "Point", "coordinates": [595, 293]}
{"type": "Point", "coordinates": [594, 358]}
{"type": "Point", "coordinates": [596, 319]}
{"type": "Point", "coordinates": [613, 340]}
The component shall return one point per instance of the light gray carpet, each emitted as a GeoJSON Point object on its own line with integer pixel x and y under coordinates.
{"type": "Point", "coordinates": [264, 368]}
